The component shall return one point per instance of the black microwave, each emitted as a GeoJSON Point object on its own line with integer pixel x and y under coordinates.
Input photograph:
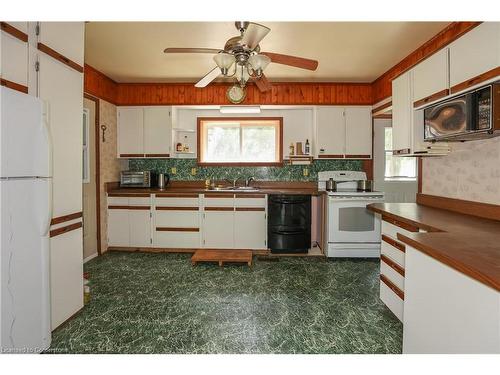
{"type": "Point", "coordinates": [472, 115]}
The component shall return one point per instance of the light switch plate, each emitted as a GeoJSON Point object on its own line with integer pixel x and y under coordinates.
{"type": "Point", "coordinates": [305, 172]}
{"type": "Point", "coordinates": [173, 170]}
{"type": "Point", "coordinates": [193, 171]}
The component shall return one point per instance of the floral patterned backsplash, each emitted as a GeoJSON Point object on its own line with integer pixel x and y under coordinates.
{"type": "Point", "coordinates": [286, 173]}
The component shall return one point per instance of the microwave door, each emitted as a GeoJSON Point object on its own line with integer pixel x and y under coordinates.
{"type": "Point", "coordinates": [447, 119]}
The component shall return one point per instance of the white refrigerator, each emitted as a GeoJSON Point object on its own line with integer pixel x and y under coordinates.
{"type": "Point", "coordinates": [25, 206]}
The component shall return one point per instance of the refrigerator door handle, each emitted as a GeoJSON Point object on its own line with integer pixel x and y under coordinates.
{"type": "Point", "coordinates": [48, 135]}
{"type": "Point", "coordinates": [49, 208]}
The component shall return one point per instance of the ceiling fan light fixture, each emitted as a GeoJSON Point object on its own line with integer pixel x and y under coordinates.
{"type": "Point", "coordinates": [224, 61]}
{"type": "Point", "coordinates": [259, 63]}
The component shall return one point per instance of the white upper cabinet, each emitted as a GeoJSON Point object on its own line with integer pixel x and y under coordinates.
{"type": "Point", "coordinates": [430, 78]}
{"type": "Point", "coordinates": [330, 139]}
{"type": "Point", "coordinates": [344, 132]}
{"type": "Point", "coordinates": [402, 113]}
{"type": "Point", "coordinates": [14, 56]}
{"type": "Point", "coordinates": [474, 53]}
{"type": "Point", "coordinates": [157, 131]}
{"type": "Point", "coordinates": [130, 132]}
{"type": "Point", "coordinates": [358, 125]}
{"type": "Point", "coordinates": [144, 131]}
{"type": "Point", "coordinates": [56, 35]}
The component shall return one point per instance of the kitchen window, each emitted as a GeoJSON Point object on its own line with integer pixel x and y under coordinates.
{"type": "Point", "coordinates": [240, 141]}
{"type": "Point", "coordinates": [397, 168]}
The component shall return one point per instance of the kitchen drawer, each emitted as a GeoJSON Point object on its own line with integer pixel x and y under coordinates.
{"type": "Point", "coordinates": [186, 200]}
{"type": "Point", "coordinates": [139, 201]}
{"type": "Point", "coordinates": [396, 254]}
{"type": "Point", "coordinates": [117, 201]}
{"type": "Point", "coordinates": [391, 227]}
{"type": "Point", "coordinates": [250, 200]}
{"type": "Point", "coordinates": [391, 300]}
{"type": "Point", "coordinates": [177, 239]}
{"type": "Point", "coordinates": [218, 200]}
{"type": "Point", "coordinates": [393, 272]}
{"type": "Point", "coordinates": [171, 218]}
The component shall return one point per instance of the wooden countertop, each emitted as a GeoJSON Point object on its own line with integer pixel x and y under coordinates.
{"type": "Point", "coordinates": [469, 244]}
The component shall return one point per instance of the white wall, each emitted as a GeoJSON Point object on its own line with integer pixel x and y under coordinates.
{"type": "Point", "coordinates": [395, 191]}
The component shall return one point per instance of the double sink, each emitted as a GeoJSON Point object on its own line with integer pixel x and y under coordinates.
{"type": "Point", "coordinates": [233, 188]}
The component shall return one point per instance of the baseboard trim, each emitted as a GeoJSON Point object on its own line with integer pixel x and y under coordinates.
{"type": "Point", "coordinates": [90, 257]}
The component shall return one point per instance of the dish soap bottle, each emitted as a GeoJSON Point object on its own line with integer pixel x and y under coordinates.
{"type": "Point", "coordinates": [307, 147]}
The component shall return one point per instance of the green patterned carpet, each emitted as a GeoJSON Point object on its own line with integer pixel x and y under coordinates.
{"type": "Point", "coordinates": [159, 303]}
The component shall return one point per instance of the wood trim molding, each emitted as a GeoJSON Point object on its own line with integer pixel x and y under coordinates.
{"type": "Point", "coordinates": [56, 55]}
{"type": "Point", "coordinates": [219, 208]}
{"type": "Point", "coordinates": [420, 174]}
{"type": "Point", "coordinates": [348, 156]}
{"type": "Point", "coordinates": [176, 195]}
{"type": "Point", "coordinates": [176, 208]}
{"type": "Point", "coordinates": [156, 155]}
{"type": "Point", "coordinates": [394, 243]}
{"type": "Point", "coordinates": [99, 85]}
{"type": "Point", "coordinates": [478, 209]}
{"type": "Point", "coordinates": [119, 207]}
{"type": "Point", "coordinates": [13, 85]}
{"type": "Point", "coordinates": [382, 108]}
{"type": "Point", "coordinates": [431, 98]}
{"type": "Point", "coordinates": [132, 195]}
{"type": "Point", "coordinates": [250, 209]}
{"type": "Point", "coordinates": [476, 80]}
{"type": "Point", "coordinates": [382, 86]}
{"type": "Point", "coordinates": [401, 224]}
{"type": "Point", "coordinates": [176, 229]}
{"type": "Point", "coordinates": [66, 229]}
{"type": "Point", "coordinates": [250, 196]}
{"type": "Point", "coordinates": [62, 219]}
{"type": "Point", "coordinates": [97, 167]}
{"type": "Point", "coordinates": [16, 33]}
{"type": "Point", "coordinates": [383, 116]}
{"type": "Point", "coordinates": [392, 286]}
{"type": "Point", "coordinates": [330, 156]}
{"type": "Point", "coordinates": [396, 267]}
{"type": "Point", "coordinates": [131, 155]}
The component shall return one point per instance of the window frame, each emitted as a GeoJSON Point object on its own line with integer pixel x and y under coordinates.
{"type": "Point", "coordinates": [199, 139]}
{"type": "Point", "coordinates": [85, 147]}
{"type": "Point", "coordinates": [397, 178]}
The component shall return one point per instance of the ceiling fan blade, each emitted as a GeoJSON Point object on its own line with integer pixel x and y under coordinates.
{"type": "Point", "coordinates": [191, 50]}
{"type": "Point", "coordinates": [254, 34]}
{"type": "Point", "coordinates": [298, 62]}
{"type": "Point", "coordinates": [209, 77]}
{"type": "Point", "coordinates": [263, 84]}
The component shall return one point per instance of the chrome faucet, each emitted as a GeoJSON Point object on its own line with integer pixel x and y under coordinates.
{"type": "Point", "coordinates": [248, 180]}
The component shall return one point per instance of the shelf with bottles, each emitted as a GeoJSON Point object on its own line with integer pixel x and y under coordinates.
{"type": "Point", "coordinates": [184, 144]}
{"type": "Point", "coordinates": [299, 155]}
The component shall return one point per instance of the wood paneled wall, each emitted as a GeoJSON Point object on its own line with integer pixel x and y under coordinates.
{"type": "Point", "coordinates": [99, 85]}
{"type": "Point", "coordinates": [291, 93]}
{"type": "Point", "coordinates": [382, 87]}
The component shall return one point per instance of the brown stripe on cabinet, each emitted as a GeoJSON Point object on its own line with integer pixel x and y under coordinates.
{"type": "Point", "coordinates": [431, 98]}
{"type": "Point", "coordinates": [62, 219]}
{"type": "Point", "coordinates": [131, 155]}
{"type": "Point", "coordinates": [394, 243]}
{"type": "Point", "coordinates": [357, 156]}
{"type": "Point", "coordinates": [157, 155]}
{"type": "Point", "coordinates": [219, 209]}
{"type": "Point", "coordinates": [330, 156]}
{"type": "Point", "coordinates": [219, 195]}
{"type": "Point", "coordinates": [176, 208]}
{"type": "Point", "coordinates": [14, 86]}
{"type": "Point", "coordinates": [476, 80]}
{"type": "Point", "coordinates": [175, 195]}
{"type": "Point", "coordinates": [250, 209]}
{"type": "Point", "coordinates": [132, 195]}
{"type": "Point", "coordinates": [176, 229]}
{"type": "Point", "coordinates": [16, 33]}
{"type": "Point", "coordinates": [396, 267]}
{"type": "Point", "coordinates": [117, 207]}
{"type": "Point", "coordinates": [250, 196]}
{"type": "Point", "coordinates": [392, 286]}
{"type": "Point", "coordinates": [66, 229]}
{"type": "Point", "coordinates": [56, 55]}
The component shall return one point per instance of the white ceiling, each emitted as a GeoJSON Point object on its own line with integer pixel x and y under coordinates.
{"type": "Point", "coordinates": [346, 51]}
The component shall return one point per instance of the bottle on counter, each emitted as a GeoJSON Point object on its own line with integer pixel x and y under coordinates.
{"type": "Point", "coordinates": [292, 149]}
{"type": "Point", "coordinates": [307, 147]}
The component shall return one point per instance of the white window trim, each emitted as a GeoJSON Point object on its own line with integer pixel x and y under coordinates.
{"type": "Point", "coordinates": [397, 178]}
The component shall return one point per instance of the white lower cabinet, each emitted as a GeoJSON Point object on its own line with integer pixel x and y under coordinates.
{"type": "Point", "coordinates": [118, 227]}
{"type": "Point", "coordinates": [140, 226]}
{"type": "Point", "coordinates": [250, 229]}
{"type": "Point", "coordinates": [218, 228]}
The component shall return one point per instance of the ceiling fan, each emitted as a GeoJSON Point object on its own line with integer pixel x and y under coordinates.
{"type": "Point", "coordinates": [241, 58]}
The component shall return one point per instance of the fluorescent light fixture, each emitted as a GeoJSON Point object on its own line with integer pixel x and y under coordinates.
{"type": "Point", "coordinates": [239, 109]}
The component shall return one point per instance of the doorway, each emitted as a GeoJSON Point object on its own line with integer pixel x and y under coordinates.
{"type": "Point", "coordinates": [90, 179]}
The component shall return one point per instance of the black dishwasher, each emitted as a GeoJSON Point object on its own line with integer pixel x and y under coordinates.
{"type": "Point", "coordinates": [289, 223]}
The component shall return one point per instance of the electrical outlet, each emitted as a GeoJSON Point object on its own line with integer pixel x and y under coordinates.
{"type": "Point", "coordinates": [193, 171]}
{"type": "Point", "coordinates": [173, 170]}
{"type": "Point", "coordinates": [305, 172]}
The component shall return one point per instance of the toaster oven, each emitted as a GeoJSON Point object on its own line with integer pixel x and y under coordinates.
{"type": "Point", "coordinates": [137, 179]}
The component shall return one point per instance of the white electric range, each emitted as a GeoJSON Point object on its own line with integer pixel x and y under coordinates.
{"type": "Point", "coordinates": [352, 230]}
